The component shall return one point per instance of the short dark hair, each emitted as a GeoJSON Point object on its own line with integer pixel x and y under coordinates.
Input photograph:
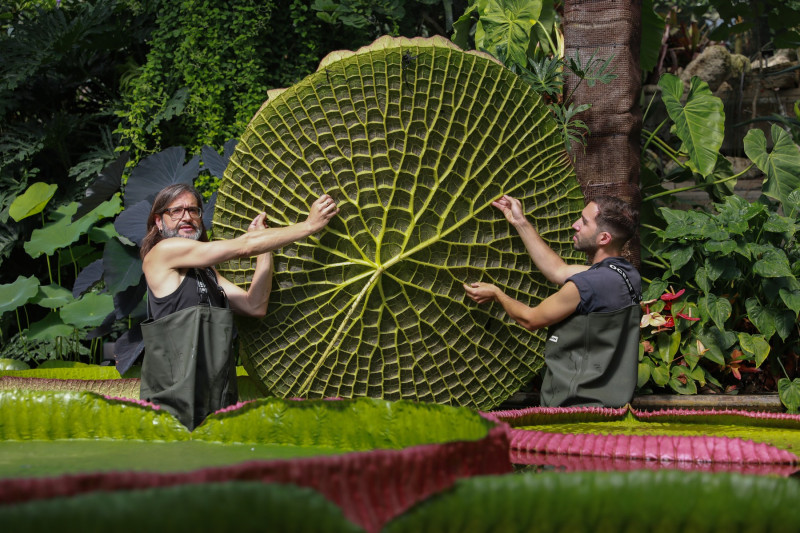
{"type": "Point", "coordinates": [166, 196]}
{"type": "Point", "coordinates": [617, 217]}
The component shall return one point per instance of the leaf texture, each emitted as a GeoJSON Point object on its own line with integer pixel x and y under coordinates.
{"type": "Point", "coordinates": [414, 139]}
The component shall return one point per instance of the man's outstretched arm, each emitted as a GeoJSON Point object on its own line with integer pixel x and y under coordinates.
{"type": "Point", "coordinates": [546, 260]}
{"type": "Point", "coordinates": [551, 310]}
{"type": "Point", "coordinates": [253, 301]}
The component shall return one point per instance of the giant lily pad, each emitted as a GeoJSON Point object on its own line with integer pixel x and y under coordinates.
{"type": "Point", "coordinates": [394, 468]}
{"type": "Point", "coordinates": [240, 505]}
{"type": "Point", "coordinates": [625, 439]}
{"type": "Point", "coordinates": [608, 501]}
{"type": "Point", "coordinates": [414, 139]}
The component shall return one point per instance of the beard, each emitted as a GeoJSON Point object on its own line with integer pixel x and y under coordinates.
{"type": "Point", "coordinates": [588, 245]}
{"type": "Point", "coordinates": [176, 232]}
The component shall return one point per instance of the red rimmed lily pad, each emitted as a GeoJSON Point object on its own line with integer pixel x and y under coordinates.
{"type": "Point", "coordinates": [398, 452]}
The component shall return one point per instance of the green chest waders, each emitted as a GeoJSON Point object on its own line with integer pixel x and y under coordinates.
{"type": "Point", "coordinates": [189, 368]}
{"type": "Point", "coordinates": [592, 360]}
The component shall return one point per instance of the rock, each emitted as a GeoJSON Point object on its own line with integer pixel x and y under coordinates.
{"type": "Point", "coordinates": [713, 66]}
{"type": "Point", "coordinates": [766, 70]}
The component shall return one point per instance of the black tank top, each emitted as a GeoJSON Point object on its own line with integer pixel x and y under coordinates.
{"type": "Point", "coordinates": [187, 294]}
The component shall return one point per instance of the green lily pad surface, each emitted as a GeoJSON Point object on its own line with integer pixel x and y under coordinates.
{"type": "Point", "coordinates": [50, 458]}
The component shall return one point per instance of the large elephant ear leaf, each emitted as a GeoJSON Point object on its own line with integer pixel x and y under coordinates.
{"type": "Point", "coordinates": [700, 124]}
{"type": "Point", "coordinates": [32, 201]}
{"type": "Point", "coordinates": [506, 25]}
{"type": "Point", "coordinates": [781, 165]}
{"type": "Point", "coordinates": [414, 139]}
{"type": "Point", "coordinates": [158, 171]}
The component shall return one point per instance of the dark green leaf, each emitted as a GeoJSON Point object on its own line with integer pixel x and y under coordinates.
{"type": "Point", "coordinates": [682, 381]}
{"type": "Point", "coordinates": [655, 289]}
{"type": "Point", "coordinates": [678, 256]}
{"type": "Point", "coordinates": [755, 346]}
{"type": "Point", "coordinates": [761, 317]}
{"type": "Point", "coordinates": [791, 297]}
{"type": "Point", "coordinates": [652, 32]}
{"type": "Point", "coordinates": [158, 171]}
{"type": "Point", "coordinates": [103, 187]}
{"type": "Point", "coordinates": [699, 124]}
{"type": "Point", "coordinates": [722, 247]}
{"type": "Point", "coordinates": [723, 268]}
{"type": "Point", "coordinates": [643, 375]}
{"type": "Point", "coordinates": [773, 264]}
{"type": "Point", "coordinates": [789, 393]}
{"type": "Point", "coordinates": [778, 224]}
{"type": "Point", "coordinates": [463, 26]}
{"type": "Point", "coordinates": [719, 309]}
{"type": "Point", "coordinates": [781, 165]}
{"type": "Point", "coordinates": [701, 278]}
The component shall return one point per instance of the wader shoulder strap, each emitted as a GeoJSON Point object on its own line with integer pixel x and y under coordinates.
{"type": "Point", "coordinates": [635, 298]}
{"type": "Point", "coordinates": [202, 290]}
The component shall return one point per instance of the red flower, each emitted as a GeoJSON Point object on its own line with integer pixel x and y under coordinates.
{"type": "Point", "coordinates": [669, 296]}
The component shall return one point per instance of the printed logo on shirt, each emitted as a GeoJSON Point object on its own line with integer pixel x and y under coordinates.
{"type": "Point", "coordinates": [553, 338]}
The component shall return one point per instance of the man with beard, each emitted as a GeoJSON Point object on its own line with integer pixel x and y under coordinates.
{"type": "Point", "coordinates": [189, 364]}
{"type": "Point", "coordinates": [592, 348]}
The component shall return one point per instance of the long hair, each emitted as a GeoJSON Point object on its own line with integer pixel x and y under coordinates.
{"type": "Point", "coordinates": [166, 196]}
{"type": "Point", "coordinates": [616, 217]}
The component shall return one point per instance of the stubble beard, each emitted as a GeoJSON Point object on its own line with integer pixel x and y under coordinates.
{"type": "Point", "coordinates": [176, 232]}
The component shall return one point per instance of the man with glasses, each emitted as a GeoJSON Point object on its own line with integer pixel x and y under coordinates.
{"type": "Point", "coordinates": [189, 364]}
{"type": "Point", "coordinates": [592, 348]}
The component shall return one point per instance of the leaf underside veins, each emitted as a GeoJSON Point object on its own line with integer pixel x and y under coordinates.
{"type": "Point", "coordinates": [414, 139]}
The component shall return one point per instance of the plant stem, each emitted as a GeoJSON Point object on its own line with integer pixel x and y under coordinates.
{"type": "Point", "coordinates": [698, 186]}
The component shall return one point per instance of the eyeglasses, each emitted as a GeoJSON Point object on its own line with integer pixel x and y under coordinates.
{"type": "Point", "coordinates": [176, 213]}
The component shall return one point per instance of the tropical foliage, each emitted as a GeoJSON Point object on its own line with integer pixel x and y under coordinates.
{"type": "Point", "coordinates": [737, 264]}
{"type": "Point", "coordinates": [103, 288]}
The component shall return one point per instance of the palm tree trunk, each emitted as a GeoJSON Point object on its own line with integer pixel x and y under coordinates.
{"type": "Point", "coordinates": [609, 165]}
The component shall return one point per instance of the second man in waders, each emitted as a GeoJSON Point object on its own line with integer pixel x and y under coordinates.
{"type": "Point", "coordinates": [592, 349]}
{"type": "Point", "coordinates": [189, 364]}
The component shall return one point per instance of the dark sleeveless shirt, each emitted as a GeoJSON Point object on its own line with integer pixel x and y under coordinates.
{"type": "Point", "coordinates": [603, 289]}
{"type": "Point", "coordinates": [186, 295]}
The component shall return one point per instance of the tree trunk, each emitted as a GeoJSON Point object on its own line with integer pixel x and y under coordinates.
{"type": "Point", "coordinates": [609, 165]}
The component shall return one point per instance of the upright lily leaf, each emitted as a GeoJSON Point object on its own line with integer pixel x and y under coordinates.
{"type": "Point", "coordinates": [49, 328]}
{"type": "Point", "coordinates": [781, 165]}
{"type": "Point", "coordinates": [20, 292]}
{"type": "Point", "coordinates": [414, 139]}
{"type": "Point", "coordinates": [32, 201]}
{"type": "Point", "coordinates": [62, 231]}
{"type": "Point", "coordinates": [52, 296]}
{"type": "Point", "coordinates": [699, 124]}
{"type": "Point", "coordinates": [89, 311]}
